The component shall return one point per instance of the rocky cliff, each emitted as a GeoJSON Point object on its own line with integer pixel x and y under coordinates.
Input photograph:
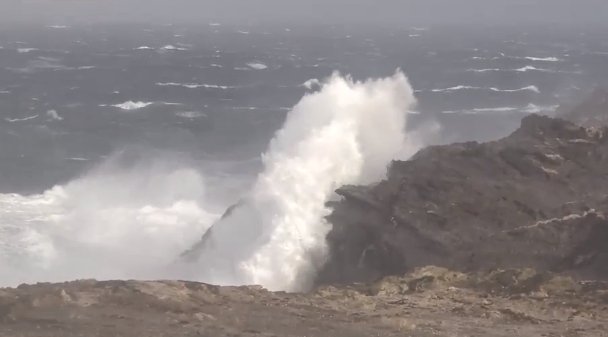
{"type": "Point", "coordinates": [536, 198]}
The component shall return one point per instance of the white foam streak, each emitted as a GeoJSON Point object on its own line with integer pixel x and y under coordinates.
{"type": "Point", "coordinates": [14, 120]}
{"type": "Point", "coordinates": [195, 85]}
{"type": "Point", "coordinates": [530, 108]}
{"type": "Point", "coordinates": [543, 59]}
{"type": "Point", "coordinates": [531, 88]}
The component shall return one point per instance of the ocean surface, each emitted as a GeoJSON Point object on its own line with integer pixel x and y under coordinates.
{"type": "Point", "coordinates": [120, 145]}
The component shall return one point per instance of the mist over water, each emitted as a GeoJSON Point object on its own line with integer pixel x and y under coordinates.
{"type": "Point", "coordinates": [133, 222]}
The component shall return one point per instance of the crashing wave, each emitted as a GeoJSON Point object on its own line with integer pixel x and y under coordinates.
{"type": "Point", "coordinates": [125, 220]}
{"type": "Point", "coordinates": [276, 235]}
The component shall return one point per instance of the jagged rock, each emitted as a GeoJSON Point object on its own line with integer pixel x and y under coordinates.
{"type": "Point", "coordinates": [533, 199]}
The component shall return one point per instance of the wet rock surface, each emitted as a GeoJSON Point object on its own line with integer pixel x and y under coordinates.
{"type": "Point", "coordinates": [430, 301]}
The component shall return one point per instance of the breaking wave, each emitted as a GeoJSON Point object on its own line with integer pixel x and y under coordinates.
{"type": "Point", "coordinates": [346, 133]}
{"type": "Point", "coordinates": [121, 220]}
{"type": "Point", "coordinates": [133, 217]}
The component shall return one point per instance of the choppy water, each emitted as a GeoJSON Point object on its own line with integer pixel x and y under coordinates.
{"type": "Point", "coordinates": [149, 132]}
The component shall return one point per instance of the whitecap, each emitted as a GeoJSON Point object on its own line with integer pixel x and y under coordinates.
{"type": "Point", "coordinates": [257, 65]}
{"type": "Point", "coordinates": [191, 114]}
{"type": "Point", "coordinates": [533, 108]}
{"type": "Point", "coordinates": [521, 70]}
{"type": "Point", "coordinates": [543, 59]}
{"type": "Point", "coordinates": [530, 108]}
{"type": "Point", "coordinates": [53, 115]}
{"type": "Point", "coordinates": [484, 70]}
{"type": "Point", "coordinates": [173, 48]}
{"type": "Point", "coordinates": [26, 50]}
{"type": "Point", "coordinates": [531, 88]}
{"type": "Point", "coordinates": [14, 120]}
{"type": "Point", "coordinates": [529, 58]}
{"type": "Point", "coordinates": [131, 105]}
{"type": "Point", "coordinates": [532, 68]}
{"type": "Point", "coordinates": [194, 85]}
{"type": "Point", "coordinates": [311, 84]}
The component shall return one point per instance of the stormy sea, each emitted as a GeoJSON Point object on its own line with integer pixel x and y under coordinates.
{"type": "Point", "coordinates": [120, 145]}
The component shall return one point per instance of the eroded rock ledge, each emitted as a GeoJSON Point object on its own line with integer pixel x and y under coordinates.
{"type": "Point", "coordinates": [430, 301]}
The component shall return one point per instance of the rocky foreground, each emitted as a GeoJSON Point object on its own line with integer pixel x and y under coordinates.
{"type": "Point", "coordinates": [520, 222]}
{"type": "Point", "coordinates": [427, 302]}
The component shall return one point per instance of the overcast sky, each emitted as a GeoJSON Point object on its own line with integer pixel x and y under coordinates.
{"type": "Point", "coordinates": [314, 11]}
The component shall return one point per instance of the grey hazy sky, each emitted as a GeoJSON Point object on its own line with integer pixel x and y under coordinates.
{"type": "Point", "coordinates": [315, 11]}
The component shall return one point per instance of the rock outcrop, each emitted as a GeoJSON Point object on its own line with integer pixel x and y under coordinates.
{"type": "Point", "coordinates": [428, 302]}
{"type": "Point", "coordinates": [536, 198]}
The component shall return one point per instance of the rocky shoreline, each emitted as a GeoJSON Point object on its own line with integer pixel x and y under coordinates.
{"type": "Point", "coordinates": [515, 227]}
